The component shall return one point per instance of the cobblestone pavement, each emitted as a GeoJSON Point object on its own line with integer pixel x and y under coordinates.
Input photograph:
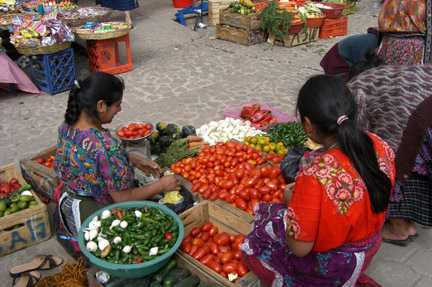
{"type": "Point", "coordinates": [183, 76]}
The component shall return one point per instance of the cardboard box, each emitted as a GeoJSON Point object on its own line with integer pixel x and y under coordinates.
{"type": "Point", "coordinates": [248, 22]}
{"type": "Point", "coordinates": [240, 36]}
{"type": "Point", "coordinates": [43, 180]}
{"type": "Point", "coordinates": [34, 224]}
{"type": "Point", "coordinates": [305, 36]}
{"type": "Point", "coordinates": [207, 211]}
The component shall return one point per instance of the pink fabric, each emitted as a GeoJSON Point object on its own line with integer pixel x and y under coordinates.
{"type": "Point", "coordinates": [56, 196]}
{"type": "Point", "coordinates": [10, 73]}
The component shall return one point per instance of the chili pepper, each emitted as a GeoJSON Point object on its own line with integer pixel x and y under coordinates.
{"type": "Point", "coordinates": [255, 108]}
{"type": "Point", "coordinates": [138, 260]}
{"type": "Point", "coordinates": [259, 116]}
{"type": "Point", "coordinates": [168, 235]}
{"type": "Point", "coordinates": [119, 214]}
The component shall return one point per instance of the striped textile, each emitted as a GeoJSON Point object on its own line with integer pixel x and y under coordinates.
{"type": "Point", "coordinates": [121, 5]}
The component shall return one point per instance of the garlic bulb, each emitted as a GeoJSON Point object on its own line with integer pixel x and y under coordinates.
{"type": "Point", "coordinates": [96, 218]}
{"type": "Point", "coordinates": [123, 224]}
{"type": "Point", "coordinates": [87, 235]}
{"type": "Point", "coordinates": [93, 233]}
{"type": "Point", "coordinates": [91, 246]}
{"type": "Point", "coordinates": [117, 240]}
{"type": "Point", "coordinates": [106, 214]}
{"type": "Point", "coordinates": [102, 243]}
{"type": "Point", "coordinates": [138, 213]}
{"type": "Point", "coordinates": [153, 251]}
{"type": "Point", "coordinates": [116, 222]}
{"type": "Point", "coordinates": [94, 224]}
{"type": "Point", "coordinates": [127, 249]}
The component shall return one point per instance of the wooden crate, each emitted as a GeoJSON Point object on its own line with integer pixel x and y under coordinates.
{"type": "Point", "coordinates": [207, 211]}
{"type": "Point", "coordinates": [240, 36]}
{"type": "Point", "coordinates": [35, 224]}
{"type": "Point", "coordinates": [214, 7]}
{"type": "Point", "coordinates": [43, 180]}
{"type": "Point", "coordinates": [247, 22]}
{"type": "Point", "coordinates": [305, 36]}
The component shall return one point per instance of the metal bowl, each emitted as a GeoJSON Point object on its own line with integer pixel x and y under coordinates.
{"type": "Point", "coordinates": [137, 139]}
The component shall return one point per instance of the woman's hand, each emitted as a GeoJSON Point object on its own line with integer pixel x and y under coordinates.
{"type": "Point", "coordinates": [146, 165]}
{"type": "Point", "coordinates": [170, 182]}
{"type": "Point", "coordinates": [287, 193]}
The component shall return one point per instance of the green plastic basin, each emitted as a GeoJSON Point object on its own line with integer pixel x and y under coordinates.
{"type": "Point", "coordinates": [137, 270]}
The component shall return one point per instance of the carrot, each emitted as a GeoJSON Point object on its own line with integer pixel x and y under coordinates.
{"type": "Point", "coordinates": [194, 144]}
{"type": "Point", "coordinates": [194, 139]}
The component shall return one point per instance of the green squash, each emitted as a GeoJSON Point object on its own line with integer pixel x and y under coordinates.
{"type": "Point", "coordinates": [165, 141]}
{"type": "Point", "coordinates": [173, 129]}
{"type": "Point", "coordinates": [162, 129]}
{"type": "Point", "coordinates": [154, 137]}
{"type": "Point", "coordinates": [188, 130]}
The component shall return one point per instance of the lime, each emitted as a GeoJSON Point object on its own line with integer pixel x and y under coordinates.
{"type": "Point", "coordinates": [22, 205]}
{"type": "Point", "coordinates": [3, 206]}
{"type": "Point", "coordinates": [14, 209]}
{"type": "Point", "coordinates": [32, 203]}
{"type": "Point", "coordinates": [26, 198]}
{"type": "Point", "coordinates": [7, 212]}
{"type": "Point", "coordinates": [1, 213]}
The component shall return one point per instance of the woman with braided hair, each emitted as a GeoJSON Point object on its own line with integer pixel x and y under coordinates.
{"type": "Point", "coordinates": [94, 166]}
{"type": "Point", "coordinates": [329, 228]}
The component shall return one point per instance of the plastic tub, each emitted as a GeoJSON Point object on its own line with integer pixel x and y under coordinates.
{"type": "Point", "coordinates": [331, 10]}
{"type": "Point", "coordinates": [314, 22]}
{"type": "Point", "coordinates": [137, 270]}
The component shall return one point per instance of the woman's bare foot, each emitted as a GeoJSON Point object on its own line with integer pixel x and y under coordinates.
{"type": "Point", "coordinates": [395, 229]}
{"type": "Point", "coordinates": [128, 17]}
{"type": "Point", "coordinates": [412, 231]}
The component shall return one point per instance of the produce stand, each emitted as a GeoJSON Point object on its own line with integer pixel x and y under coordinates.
{"type": "Point", "coordinates": [32, 223]}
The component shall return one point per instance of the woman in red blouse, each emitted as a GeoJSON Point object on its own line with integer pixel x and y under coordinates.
{"type": "Point", "coordinates": [329, 229]}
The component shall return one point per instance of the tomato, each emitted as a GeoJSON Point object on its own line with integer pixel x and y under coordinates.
{"type": "Point", "coordinates": [231, 198]}
{"type": "Point", "coordinates": [245, 195]}
{"type": "Point", "coordinates": [193, 249]}
{"type": "Point", "coordinates": [147, 126]}
{"type": "Point", "coordinates": [214, 248]}
{"type": "Point", "coordinates": [237, 254]}
{"type": "Point", "coordinates": [216, 267]}
{"type": "Point", "coordinates": [203, 188]}
{"type": "Point", "coordinates": [270, 156]}
{"type": "Point", "coordinates": [240, 203]}
{"type": "Point", "coordinates": [240, 238]}
{"type": "Point", "coordinates": [199, 253]}
{"type": "Point", "coordinates": [206, 259]}
{"type": "Point", "coordinates": [222, 240]}
{"type": "Point", "coordinates": [229, 268]}
{"type": "Point", "coordinates": [273, 173]}
{"type": "Point", "coordinates": [206, 226]}
{"type": "Point", "coordinates": [185, 246]}
{"type": "Point", "coordinates": [277, 159]}
{"type": "Point", "coordinates": [260, 161]}
{"type": "Point", "coordinates": [223, 195]}
{"type": "Point", "coordinates": [272, 185]}
{"type": "Point", "coordinates": [232, 237]}
{"type": "Point", "coordinates": [198, 241]}
{"type": "Point", "coordinates": [265, 190]}
{"type": "Point", "coordinates": [39, 160]}
{"type": "Point", "coordinates": [241, 269]}
{"type": "Point", "coordinates": [267, 197]}
{"type": "Point", "coordinates": [226, 184]}
{"type": "Point", "coordinates": [206, 194]}
{"type": "Point", "coordinates": [213, 230]}
{"type": "Point", "coordinates": [226, 257]}
{"type": "Point", "coordinates": [214, 196]}
{"type": "Point", "coordinates": [195, 231]}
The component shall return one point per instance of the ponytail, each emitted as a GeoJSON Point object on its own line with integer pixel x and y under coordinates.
{"type": "Point", "coordinates": [330, 106]}
{"type": "Point", "coordinates": [73, 109]}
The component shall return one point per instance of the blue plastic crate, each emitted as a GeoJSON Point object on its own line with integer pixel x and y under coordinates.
{"type": "Point", "coordinates": [53, 73]}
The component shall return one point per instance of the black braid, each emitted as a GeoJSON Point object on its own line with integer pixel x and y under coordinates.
{"type": "Point", "coordinates": [73, 109]}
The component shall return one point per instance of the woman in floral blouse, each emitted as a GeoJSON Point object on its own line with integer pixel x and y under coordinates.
{"type": "Point", "coordinates": [94, 166]}
{"type": "Point", "coordinates": [330, 229]}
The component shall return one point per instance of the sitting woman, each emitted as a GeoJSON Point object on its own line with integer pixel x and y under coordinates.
{"type": "Point", "coordinates": [93, 165]}
{"type": "Point", "coordinates": [328, 229]}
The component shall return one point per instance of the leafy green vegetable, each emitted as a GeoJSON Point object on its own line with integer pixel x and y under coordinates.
{"type": "Point", "coordinates": [289, 134]}
{"type": "Point", "coordinates": [177, 151]}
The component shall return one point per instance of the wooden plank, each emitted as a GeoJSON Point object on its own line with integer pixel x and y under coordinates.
{"type": "Point", "coordinates": [33, 220]}
{"type": "Point", "coordinates": [43, 180]}
{"type": "Point", "coordinates": [214, 7]}
{"type": "Point", "coordinates": [248, 22]}
{"type": "Point", "coordinates": [304, 37]}
{"type": "Point", "coordinates": [225, 221]}
{"type": "Point", "coordinates": [240, 36]}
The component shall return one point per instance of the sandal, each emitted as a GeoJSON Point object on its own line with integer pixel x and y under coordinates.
{"type": "Point", "coordinates": [27, 279]}
{"type": "Point", "coordinates": [401, 243]}
{"type": "Point", "coordinates": [40, 262]}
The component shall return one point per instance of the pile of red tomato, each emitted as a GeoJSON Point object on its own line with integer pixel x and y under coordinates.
{"type": "Point", "coordinates": [134, 131]}
{"type": "Point", "coordinates": [218, 251]}
{"type": "Point", "coordinates": [7, 187]}
{"type": "Point", "coordinates": [48, 162]}
{"type": "Point", "coordinates": [229, 171]}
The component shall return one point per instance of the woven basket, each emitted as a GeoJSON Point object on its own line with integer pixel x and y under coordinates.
{"type": "Point", "coordinates": [83, 20]}
{"type": "Point", "coordinates": [101, 35]}
{"type": "Point", "coordinates": [43, 49]}
{"type": "Point", "coordinates": [8, 17]}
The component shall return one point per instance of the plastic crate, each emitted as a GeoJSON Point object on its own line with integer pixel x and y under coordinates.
{"type": "Point", "coordinates": [53, 73]}
{"type": "Point", "coordinates": [105, 55]}
{"type": "Point", "coordinates": [334, 27]}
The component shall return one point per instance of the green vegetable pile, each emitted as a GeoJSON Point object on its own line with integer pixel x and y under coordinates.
{"type": "Point", "coordinates": [166, 134]}
{"type": "Point", "coordinates": [290, 134]}
{"type": "Point", "coordinates": [134, 235]}
{"type": "Point", "coordinates": [177, 151]}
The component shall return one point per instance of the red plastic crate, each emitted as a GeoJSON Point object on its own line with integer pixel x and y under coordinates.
{"type": "Point", "coordinates": [334, 27]}
{"type": "Point", "coordinates": [104, 55]}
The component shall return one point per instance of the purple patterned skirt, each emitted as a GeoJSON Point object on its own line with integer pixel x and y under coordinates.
{"type": "Point", "coordinates": [266, 253]}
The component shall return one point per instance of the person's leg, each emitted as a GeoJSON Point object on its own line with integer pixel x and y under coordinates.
{"type": "Point", "coordinates": [128, 17]}
{"type": "Point", "coordinates": [395, 229]}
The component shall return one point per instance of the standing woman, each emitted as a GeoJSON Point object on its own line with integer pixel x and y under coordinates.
{"type": "Point", "coordinates": [122, 5]}
{"type": "Point", "coordinates": [94, 167]}
{"type": "Point", "coordinates": [329, 230]}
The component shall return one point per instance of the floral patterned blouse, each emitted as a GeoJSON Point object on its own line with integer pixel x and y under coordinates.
{"type": "Point", "coordinates": [91, 163]}
{"type": "Point", "coordinates": [330, 204]}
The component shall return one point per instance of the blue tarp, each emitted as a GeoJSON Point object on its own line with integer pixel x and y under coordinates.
{"type": "Point", "coordinates": [190, 10]}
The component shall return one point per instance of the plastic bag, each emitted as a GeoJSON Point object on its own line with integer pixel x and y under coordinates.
{"type": "Point", "coordinates": [233, 111]}
{"type": "Point", "coordinates": [183, 205]}
{"type": "Point", "coordinates": [290, 164]}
